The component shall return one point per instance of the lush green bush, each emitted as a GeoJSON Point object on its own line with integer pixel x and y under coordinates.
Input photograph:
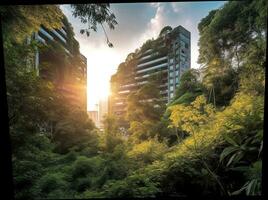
{"type": "Point", "coordinates": [147, 151]}
{"type": "Point", "coordinates": [209, 141]}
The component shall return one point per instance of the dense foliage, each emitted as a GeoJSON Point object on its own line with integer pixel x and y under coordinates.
{"type": "Point", "coordinates": [207, 141]}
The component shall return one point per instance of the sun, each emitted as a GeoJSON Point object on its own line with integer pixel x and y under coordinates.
{"type": "Point", "coordinates": [100, 90]}
{"type": "Point", "coordinates": [102, 63]}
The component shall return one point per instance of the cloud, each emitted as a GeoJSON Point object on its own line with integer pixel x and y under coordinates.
{"type": "Point", "coordinates": [174, 14]}
{"type": "Point", "coordinates": [137, 22]}
{"type": "Point", "coordinates": [154, 26]}
{"type": "Point", "coordinates": [155, 4]}
{"type": "Point", "coordinates": [176, 8]}
{"type": "Point", "coordinates": [180, 7]}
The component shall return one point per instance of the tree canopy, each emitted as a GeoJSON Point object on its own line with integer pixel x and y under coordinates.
{"type": "Point", "coordinates": [207, 141]}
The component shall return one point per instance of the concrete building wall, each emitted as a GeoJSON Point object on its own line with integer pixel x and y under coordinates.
{"type": "Point", "coordinates": [170, 56]}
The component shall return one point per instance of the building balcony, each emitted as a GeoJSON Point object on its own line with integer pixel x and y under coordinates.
{"type": "Point", "coordinates": [146, 100]}
{"type": "Point", "coordinates": [145, 57]}
{"type": "Point", "coordinates": [164, 92]}
{"type": "Point", "coordinates": [124, 92]}
{"type": "Point", "coordinates": [147, 52]}
{"type": "Point", "coordinates": [59, 36]}
{"type": "Point", "coordinates": [119, 103]}
{"type": "Point", "coordinates": [142, 83]}
{"type": "Point", "coordinates": [67, 51]}
{"type": "Point", "coordinates": [151, 62]}
{"type": "Point", "coordinates": [128, 85]}
{"type": "Point", "coordinates": [119, 111]}
{"type": "Point", "coordinates": [150, 74]}
{"type": "Point", "coordinates": [164, 85]}
{"type": "Point", "coordinates": [43, 31]}
{"type": "Point", "coordinates": [144, 76]}
{"type": "Point", "coordinates": [63, 31]}
{"type": "Point", "coordinates": [119, 98]}
{"type": "Point", "coordinates": [152, 68]}
{"type": "Point", "coordinates": [40, 39]}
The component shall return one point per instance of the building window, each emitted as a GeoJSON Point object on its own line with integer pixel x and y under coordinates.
{"type": "Point", "coordinates": [182, 43]}
{"type": "Point", "coordinates": [177, 66]}
{"type": "Point", "coordinates": [171, 81]}
{"type": "Point", "coordinates": [171, 88]}
{"type": "Point", "coordinates": [171, 60]}
{"type": "Point", "coordinates": [171, 74]}
{"type": "Point", "coordinates": [171, 67]}
{"type": "Point", "coordinates": [184, 38]}
{"type": "Point", "coordinates": [177, 73]}
{"type": "Point", "coordinates": [171, 95]}
{"type": "Point", "coordinates": [177, 80]}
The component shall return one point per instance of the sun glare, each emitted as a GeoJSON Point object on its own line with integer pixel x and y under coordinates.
{"type": "Point", "coordinates": [103, 90]}
{"type": "Point", "coordinates": [97, 90]}
{"type": "Point", "coordinates": [102, 62]}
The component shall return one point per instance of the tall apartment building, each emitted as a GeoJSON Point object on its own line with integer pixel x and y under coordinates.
{"type": "Point", "coordinates": [169, 54]}
{"type": "Point", "coordinates": [103, 110]}
{"type": "Point", "coordinates": [69, 65]}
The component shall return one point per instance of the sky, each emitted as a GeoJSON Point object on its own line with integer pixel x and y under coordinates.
{"type": "Point", "coordinates": [137, 22]}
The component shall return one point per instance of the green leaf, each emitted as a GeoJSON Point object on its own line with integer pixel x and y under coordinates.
{"type": "Point", "coordinates": [240, 190]}
{"type": "Point", "coordinates": [227, 151]}
{"type": "Point", "coordinates": [230, 140]}
{"type": "Point", "coordinates": [231, 159]}
{"type": "Point", "coordinates": [250, 186]}
{"type": "Point", "coordinates": [240, 168]}
{"type": "Point", "coordinates": [238, 157]}
{"type": "Point", "coordinates": [260, 149]}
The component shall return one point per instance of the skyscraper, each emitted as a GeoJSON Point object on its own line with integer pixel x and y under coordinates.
{"type": "Point", "coordinates": [103, 110]}
{"type": "Point", "coordinates": [61, 62]}
{"type": "Point", "coordinates": [169, 54]}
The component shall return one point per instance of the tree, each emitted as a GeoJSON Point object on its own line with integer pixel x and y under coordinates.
{"type": "Point", "coordinates": [112, 135]}
{"type": "Point", "coordinates": [189, 88]}
{"type": "Point", "coordinates": [93, 14]}
{"type": "Point", "coordinates": [21, 21]}
{"type": "Point", "coordinates": [165, 30]}
{"type": "Point", "coordinates": [144, 110]}
{"type": "Point", "coordinates": [189, 118]}
{"type": "Point", "coordinates": [225, 42]}
{"type": "Point", "coordinates": [33, 102]}
{"type": "Point", "coordinates": [75, 131]}
{"type": "Point", "coordinates": [145, 103]}
{"type": "Point", "coordinates": [220, 153]}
